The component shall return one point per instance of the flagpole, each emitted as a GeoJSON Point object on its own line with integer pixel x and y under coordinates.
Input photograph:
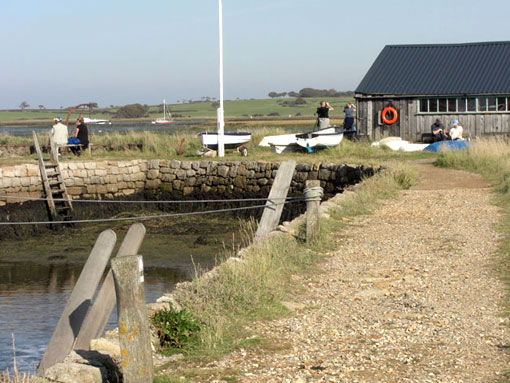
{"type": "Point", "coordinates": [221, 123]}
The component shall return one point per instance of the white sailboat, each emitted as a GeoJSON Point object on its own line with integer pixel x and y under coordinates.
{"type": "Point", "coordinates": [163, 120]}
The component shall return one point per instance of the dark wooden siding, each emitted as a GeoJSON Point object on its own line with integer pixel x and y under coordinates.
{"type": "Point", "coordinates": [411, 125]}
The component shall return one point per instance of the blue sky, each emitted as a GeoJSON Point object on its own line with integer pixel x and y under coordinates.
{"type": "Point", "coordinates": [66, 52]}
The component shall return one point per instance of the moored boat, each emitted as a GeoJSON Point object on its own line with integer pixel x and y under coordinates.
{"type": "Point", "coordinates": [163, 120]}
{"type": "Point", "coordinates": [95, 121]}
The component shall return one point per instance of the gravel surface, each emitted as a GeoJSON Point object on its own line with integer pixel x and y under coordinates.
{"type": "Point", "coordinates": [410, 295]}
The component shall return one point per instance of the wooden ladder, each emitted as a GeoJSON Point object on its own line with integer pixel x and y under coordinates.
{"type": "Point", "coordinates": [59, 204]}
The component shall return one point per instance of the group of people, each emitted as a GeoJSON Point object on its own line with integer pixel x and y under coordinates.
{"type": "Point", "coordinates": [441, 134]}
{"type": "Point", "coordinates": [323, 115]}
{"type": "Point", "coordinates": [80, 135]}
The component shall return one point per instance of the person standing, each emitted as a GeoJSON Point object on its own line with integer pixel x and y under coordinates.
{"type": "Point", "coordinates": [323, 115]}
{"type": "Point", "coordinates": [59, 132]}
{"type": "Point", "coordinates": [81, 133]}
{"type": "Point", "coordinates": [349, 111]}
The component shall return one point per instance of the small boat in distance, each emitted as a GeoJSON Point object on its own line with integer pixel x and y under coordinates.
{"type": "Point", "coordinates": [95, 121]}
{"type": "Point", "coordinates": [231, 140]}
{"type": "Point", "coordinates": [163, 120]}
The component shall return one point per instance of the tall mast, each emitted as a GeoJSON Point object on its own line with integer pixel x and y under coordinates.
{"type": "Point", "coordinates": [221, 123]}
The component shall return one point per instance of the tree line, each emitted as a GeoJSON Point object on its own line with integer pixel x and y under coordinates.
{"type": "Point", "coordinates": [311, 92]}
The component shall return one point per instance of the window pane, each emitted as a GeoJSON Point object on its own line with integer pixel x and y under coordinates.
{"type": "Point", "coordinates": [482, 104]}
{"type": "Point", "coordinates": [462, 105]}
{"type": "Point", "coordinates": [471, 104]}
{"type": "Point", "coordinates": [433, 105]}
{"type": "Point", "coordinates": [492, 103]}
{"type": "Point", "coordinates": [452, 105]}
{"type": "Point", "coordinates": [501, 104]}
{"type": "Point", "coordinates": [424, 105]}
{"type": "Point", "coordinates": [442, 104]}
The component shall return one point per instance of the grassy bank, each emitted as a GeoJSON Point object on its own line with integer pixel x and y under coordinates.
{"type": "Point", "coordinates": [257, 287]}
{"type": "Point", "coordinates": [490, 158]}
{"type": "Point", "coordinates": [120, 146]}
{"type": "Point", "coordinates": [279, 107]}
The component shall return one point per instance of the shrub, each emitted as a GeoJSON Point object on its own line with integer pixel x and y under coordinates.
{"type": "Point", "coordinates": [274, 114]}
{"type": "Point", "coordinates": [174, 328]}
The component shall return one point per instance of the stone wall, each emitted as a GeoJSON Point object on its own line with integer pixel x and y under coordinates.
{"type": "Point", "coordinates": [113, 179]}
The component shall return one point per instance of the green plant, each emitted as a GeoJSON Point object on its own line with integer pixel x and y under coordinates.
{"type": "Point", "coordinates": [174, 328]}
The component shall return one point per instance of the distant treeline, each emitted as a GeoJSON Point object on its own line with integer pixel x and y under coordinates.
{"type": "Point", "coordinates": [311, 92]}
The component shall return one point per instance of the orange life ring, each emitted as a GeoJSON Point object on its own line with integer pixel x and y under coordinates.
{"type": "Point", "coordinates": [394, 113]}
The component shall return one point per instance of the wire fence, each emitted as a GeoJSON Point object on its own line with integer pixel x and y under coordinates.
{"type": "Point", "coordinates": [268, 203]}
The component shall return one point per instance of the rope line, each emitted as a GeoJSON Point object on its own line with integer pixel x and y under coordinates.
{"type": "Point", "coordinates": [145, 218]}
{"type": "Point", "coordinates": [149, 202]}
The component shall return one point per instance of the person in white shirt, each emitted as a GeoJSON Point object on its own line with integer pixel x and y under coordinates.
{"type": "Point", "coordinates": [456, 131]}
{"type": "Point", "coordinates": [59, 132]}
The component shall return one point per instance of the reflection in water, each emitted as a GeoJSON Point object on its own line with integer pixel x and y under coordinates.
{"type": "Point", "coordinates": [37, 276]}
{"type": "Point", "coordinates": [32, 297]}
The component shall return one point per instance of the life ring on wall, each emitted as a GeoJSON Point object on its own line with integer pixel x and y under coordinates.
{"type": "Point", "coordinates": [394, 115]}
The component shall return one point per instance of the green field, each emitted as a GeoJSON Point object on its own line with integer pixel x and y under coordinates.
{"type": "Point", "coordinates": [238, 109]}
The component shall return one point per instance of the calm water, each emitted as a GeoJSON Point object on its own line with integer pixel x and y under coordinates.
{"type": "Point", "coordinates": [37, 275]}
{"type": "Point", "coordinates": [175, 127]}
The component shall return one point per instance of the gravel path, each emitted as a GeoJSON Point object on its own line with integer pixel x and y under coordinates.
{"type": "Point", "coordinates": [411, 295]}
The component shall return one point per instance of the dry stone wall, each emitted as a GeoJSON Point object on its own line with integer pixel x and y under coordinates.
{"type": "Point", "coordinates": [113, 179]}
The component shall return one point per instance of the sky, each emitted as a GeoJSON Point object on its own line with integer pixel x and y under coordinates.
{"type": "Point", "coordinates": [67, 52]}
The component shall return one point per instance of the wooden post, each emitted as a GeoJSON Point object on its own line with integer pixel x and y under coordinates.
{"type": "Point", "coordinates": [68, 326]}
{"type": "Point", "coordinates": [313, 194]}
{"type": "Point", "coordinates": [101, 310]}
{"type": "Point", "coordinates": [277, 195]}
{"type": "Point", "coordinates": [134, 336]}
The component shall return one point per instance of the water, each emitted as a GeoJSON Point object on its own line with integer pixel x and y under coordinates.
{"type": "Point", "coordinates": [175, 127]}
{"type": "Point", "coordinates": [37, 275]}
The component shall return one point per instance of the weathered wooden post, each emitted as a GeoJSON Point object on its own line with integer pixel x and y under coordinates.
{"type": "Point", "coordinates": [68, 326]}
{"type": "Point", "coordinates": [276, 200]}
{"type": "Point", "coordinates": [134, 336]}
{"type": "Point", "coordinates": [313, 194]}
{"type": "Point", "coordinates": [96, 321]}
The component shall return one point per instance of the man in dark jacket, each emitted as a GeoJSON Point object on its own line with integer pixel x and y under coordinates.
{"type": "Point", "coordinates": [438, 131]}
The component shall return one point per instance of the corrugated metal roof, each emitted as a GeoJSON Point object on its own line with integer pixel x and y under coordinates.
{"type": "Point", "coordinates": [440, 69]}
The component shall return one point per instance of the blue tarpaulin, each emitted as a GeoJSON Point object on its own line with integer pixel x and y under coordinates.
{"type": "Point", "coordinates": [446, 145]}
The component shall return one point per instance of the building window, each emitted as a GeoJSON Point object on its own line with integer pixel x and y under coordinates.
{"type": "Point", "coordinates": [442, 105]}
{"type": "Point", "coordinates": [424, 105]}
{"type": "Point", "coordinates": [502, 104]}
{"type": "Point", "coordinates": [433, 105]}
{"type": "Point", "coordinates": [480, 104]}
{"type": "Point", "coordinates": [461, 105]}
{"type": "Point", "coordinates": [471, 104]}
{"type": "Point", "coordinates": [452, 105]}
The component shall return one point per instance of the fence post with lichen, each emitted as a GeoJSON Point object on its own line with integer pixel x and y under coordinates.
{"type": "Point", "coordinates": [134, 333]}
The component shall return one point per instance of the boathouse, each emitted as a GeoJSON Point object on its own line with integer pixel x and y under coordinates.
{"type": "Point", "coordinates": [416, 84]}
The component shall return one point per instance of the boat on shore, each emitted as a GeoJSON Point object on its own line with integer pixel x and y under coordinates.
{"type": "Point", "coordinates": [231, 140]}
{"type": "Point", "coordinates": [313, 140]}
{"type": "Point", "coordinates": [163, 120]}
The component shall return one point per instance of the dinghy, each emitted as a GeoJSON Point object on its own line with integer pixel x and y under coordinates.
{"type": "Point", "coordinates": [317, 139]}
{"type": "Point", "coordinates": [231, 140]}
